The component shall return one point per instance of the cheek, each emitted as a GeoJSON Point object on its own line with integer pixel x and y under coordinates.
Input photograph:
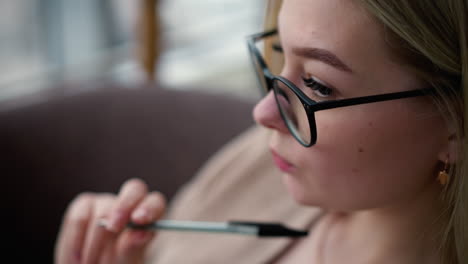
{"type": "Point", "coordinates": [368, 159]}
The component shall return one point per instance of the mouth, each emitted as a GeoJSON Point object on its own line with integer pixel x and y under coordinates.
{"type": "Point", "coordinates": [281, 163]}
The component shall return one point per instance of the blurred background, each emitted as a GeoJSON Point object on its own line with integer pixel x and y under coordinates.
{"type": "Point", "coordinates": [46, 42]}
{"type": "Point", "coordinates": [93, 92]}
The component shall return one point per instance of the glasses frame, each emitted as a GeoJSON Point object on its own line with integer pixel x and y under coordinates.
{"type": "Point", "coordinates": [312, 106]}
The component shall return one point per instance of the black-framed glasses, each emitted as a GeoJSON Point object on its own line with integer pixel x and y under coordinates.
{"type": "Point", "coordinates": [296, 108]}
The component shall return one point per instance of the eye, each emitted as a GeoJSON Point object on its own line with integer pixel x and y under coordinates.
{"type": "Point", "coordinates": [319, 89]}
{"type": "Point", "coordinates": [277, 47]}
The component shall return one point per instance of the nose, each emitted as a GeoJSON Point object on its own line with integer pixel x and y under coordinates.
{"type": "Point", "coordinates": [266, 113]}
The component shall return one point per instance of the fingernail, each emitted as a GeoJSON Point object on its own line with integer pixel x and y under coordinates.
{"type": "Point", "coordinates": [140, 215]}
{"type": "Point", "coordinates": [114, 224]}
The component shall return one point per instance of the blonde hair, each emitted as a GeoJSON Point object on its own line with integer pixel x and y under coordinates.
{"type": "Point", "coordinates": [430, 37]}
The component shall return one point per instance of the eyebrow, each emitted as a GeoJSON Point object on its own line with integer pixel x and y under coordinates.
{"type": "Point", "coordinates": [322, 55]}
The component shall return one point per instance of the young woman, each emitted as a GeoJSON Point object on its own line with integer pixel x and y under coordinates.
{"type": "Point", "coordinates": [367, 119]}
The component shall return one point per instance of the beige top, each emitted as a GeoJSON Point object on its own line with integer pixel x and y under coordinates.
{"type": "Point", "coordinates": [240, 182]}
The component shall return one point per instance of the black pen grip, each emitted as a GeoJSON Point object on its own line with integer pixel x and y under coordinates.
{"type": "Point", "coordinates": [272, 229]}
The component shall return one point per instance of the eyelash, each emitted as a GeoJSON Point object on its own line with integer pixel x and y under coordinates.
{"type": "Point", "coordinates": [319, 89]}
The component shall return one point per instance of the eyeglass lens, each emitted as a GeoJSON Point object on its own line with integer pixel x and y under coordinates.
{"type": "Point", "coordinates": [292, 111]}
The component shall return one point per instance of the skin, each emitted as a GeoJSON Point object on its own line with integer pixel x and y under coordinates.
{"type": "Point", "coordinates": [82, 240]}
{"type": "Point", "coordinates": [374, 166]}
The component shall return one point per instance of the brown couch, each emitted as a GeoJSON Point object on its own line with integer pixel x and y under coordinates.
{"type": "Point", "coordinates": [94, 140]}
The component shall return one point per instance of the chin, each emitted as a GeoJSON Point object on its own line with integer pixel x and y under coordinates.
{"type": "Point", "coordinates": [306, 196]}
{"type": "Point", "coordinates": [298, 191]}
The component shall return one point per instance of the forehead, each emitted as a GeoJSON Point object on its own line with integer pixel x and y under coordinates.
{"type": "Point", "coordinates": [341, 26]}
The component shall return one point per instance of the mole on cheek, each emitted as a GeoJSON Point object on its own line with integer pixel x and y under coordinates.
{"type": "Point", "coordinates": [360, 150]}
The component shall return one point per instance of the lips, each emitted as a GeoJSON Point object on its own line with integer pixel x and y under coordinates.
{"type": "Point", "coordinates": [281, 163]}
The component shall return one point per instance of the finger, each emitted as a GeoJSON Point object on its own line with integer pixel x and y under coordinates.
{"type": "Point", "coordinates": [150, 209]}
{"type": "Point", "coordinates": [71, 237]}
{"type": "Point", "coordinates": [97, 237]}
{"type": "Point", "coordinates": [131, 193]}
{"type": "Point", "coordinates": [132, 244]}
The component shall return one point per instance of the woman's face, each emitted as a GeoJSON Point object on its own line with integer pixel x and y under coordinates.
{"type": "Point", "coordinates": [366, 156]}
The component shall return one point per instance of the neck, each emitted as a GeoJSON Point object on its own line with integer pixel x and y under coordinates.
{"type": "Point", "coordinates": [407, 232]}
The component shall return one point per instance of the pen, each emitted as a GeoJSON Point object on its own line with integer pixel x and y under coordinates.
{"type": "Point", "coordinates": [260, 229]}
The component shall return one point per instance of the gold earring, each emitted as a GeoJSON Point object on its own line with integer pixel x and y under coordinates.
{"type": "Point", "coordinates": [444, 177]}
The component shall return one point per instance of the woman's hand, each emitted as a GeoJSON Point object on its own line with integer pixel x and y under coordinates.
{"type": "Point", "coordinates": [83, 240]}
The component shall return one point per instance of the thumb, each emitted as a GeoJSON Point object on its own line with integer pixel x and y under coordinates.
{"type": "Point", "coordinates": [134, 247]}
{"type": "Point", "coordinates": [132, 244]}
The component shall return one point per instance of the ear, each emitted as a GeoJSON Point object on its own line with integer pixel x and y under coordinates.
{"type": "Point", "coordinates": [450, 151]}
